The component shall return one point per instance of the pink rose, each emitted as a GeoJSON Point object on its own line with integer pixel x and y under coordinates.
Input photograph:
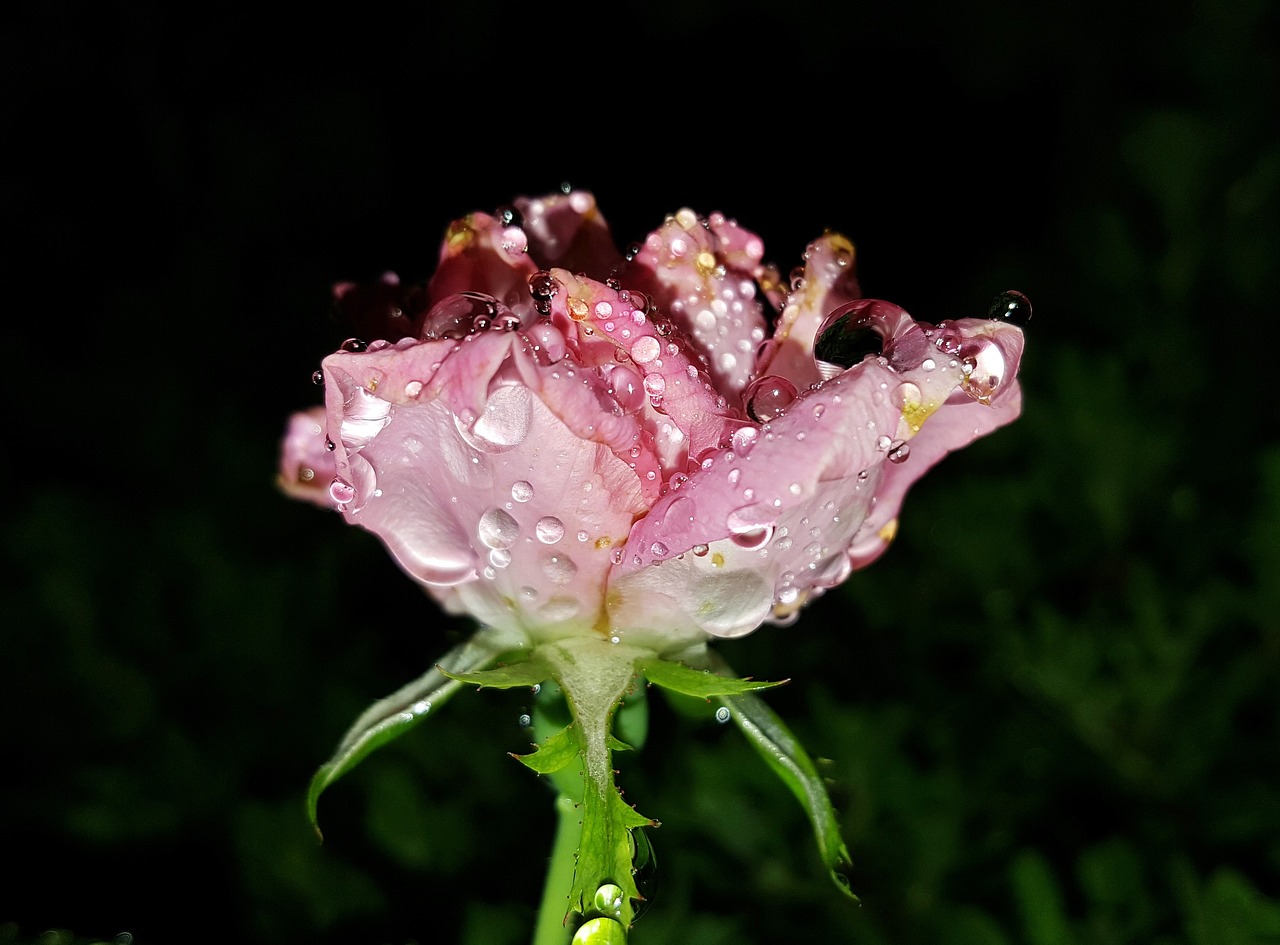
{"type": "Point", "coordinates": [559, 440]}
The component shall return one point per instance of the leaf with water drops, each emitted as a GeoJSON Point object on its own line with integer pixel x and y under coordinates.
{"type": "Point", "coordinates": [555, 753]}
{"type": "Point", "coordinates": [390, 717]}
{"type": "Point", "coordinates": [700, 683]}
{"type": "Point", "coordinates": [531, 673]}
{"type": "Point", "coordinates": [786, 756]}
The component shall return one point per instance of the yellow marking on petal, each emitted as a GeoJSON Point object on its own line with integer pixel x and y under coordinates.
{"type": "Point", "coordinates": [706, 262]}
{"type": "Point", "coordinates": [917, 413]}
{"type": "Point", "coordinates": [717, 559]}
{"type": "Point", "coordinates": [888, 531]}
{"type": "Point", "coordinates": [460, 235]}
{"type": "Point", "coordinates": [602, 543]}
{"type": "Point", "coordinates": [578, 309]}
{"type": "Point", "coordinates": [372, 384]}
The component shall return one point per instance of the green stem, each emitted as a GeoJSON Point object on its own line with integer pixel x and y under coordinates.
{"type": "Point", "coordinates": [551, 927]}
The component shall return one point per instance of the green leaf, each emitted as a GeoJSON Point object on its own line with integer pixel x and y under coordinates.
{"type": "Point", "coordinates": [555, 753]}
{"type": "Point", "coordinates": [786, 756]}
{"type": "Point", "coordinates": [606, 849]}
{"type": "Point", "coordinates": [390, 717]}
{"type": "Point", "coordinates": [529, 672]}
{"type": "Point", "coordinates": [701, 683]}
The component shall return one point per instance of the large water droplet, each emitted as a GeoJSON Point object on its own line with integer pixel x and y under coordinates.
{"type": "Point", "coordinates": [1010, 306]}
{"type": "Point", "coordinates": [522, 491]}
{"type": "Point", "coordinates": [645, 349]}
{"type": "Point", "coordinates": [628, 388]}
{"type": "Point", "coordinates": [363, 417]}
{"type": "Point", "coordinates": [559, 568]}
{"type": "Point", "coordinates": [899, 452]}
{"type": "Point", "coordinates": [749, 527]}
{"type": "Point", "coordinates": [456, 315]}
{"type": "Point", "coordinates": [497, 529]}
{"type": "Point", "coordinates": [342, 491]}
{"type": "Point", "coordinates": [549, 530]}
{"type": "Point", "coordinates": [846, 338]}
{"type": "Point", "coordinates": [505, 422]}
{"type": "Point", "coordinates": [983, 368]}
{"type": "Point", "coordinates": [767, 397]}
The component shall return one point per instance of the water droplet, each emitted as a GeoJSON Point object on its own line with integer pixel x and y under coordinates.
{"type": "Point", "coordinates": [601, 930]}
{"type": "Point", "coordinates": [659, 550]}
{"type": "Point", "coordinates": [982, 367]}
{"type": "Point", "coordinates": [543, 288]}
{"type": "Point", "coordinates": [1010, 306]}
{"type": "Point", "coordinates": [505, 422]}
{"type": "Point", "coordinates": [522, 491]}
{"type": "Point", "coordinates": [768, 397]}
{"type": "Point", "coordinates": [354, 345]}
{"type": "Point", "coordinates": [497, 529]}
{"type": "Point", "coordinates": [342, 491]}
{"type": "Point", "coordinates": [460, 314]}
{"type": "Point", "coordinates": [899, 452]}
{"type": "Point", "coordinates": [846, 338]}
{"type": "Point", "coordinates": [701, 550]}
{"type": "Point", "coordinates": [743, 439]}
{"type": "Point", "coordinates": [883, 442]}
{"type": "Point", "coordinates": [317, 377]}
{"type": "Point", "coordinates": [559, 609]}
{"type": "Point", "coordinates": [627, 388]}
{"type": "Point", "coordinates": [906, 396]}
{"type": "Point", "coordinates": [655, 385]}
{"type": "Point", "coordinates": [500, 557]}
{"type": "Point", "coordinates": [559, 569]}
{"type": "Point", "coordinates": [723, 714]}
{"type": "Point", "coordinates": [645, 349]}
{"type": "Point", "coordinates": [413, 389]}
{"type": "Point", "coordinates": [549, 530]}
{"type": "Point", "coordinates": [748, 528]}
{"type": "Point", "coordinates": [525, 720]}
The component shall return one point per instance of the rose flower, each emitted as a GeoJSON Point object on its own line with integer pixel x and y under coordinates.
{"type": "Point", "coordinates": [561, 440]}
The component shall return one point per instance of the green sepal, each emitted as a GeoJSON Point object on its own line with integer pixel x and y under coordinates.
{"type": "Point", "coordinates": [786, 756]}
{"type": "Point", "coordinates": [700, 683]}
{"type": "Point", "coordinates": [555, 753]}
{"type": "Point", "coordinates": [392, 716]}
{"type": "Point", "coordinates": [529, 672]}
{"type": "Point", "coordinates": [605, 852]}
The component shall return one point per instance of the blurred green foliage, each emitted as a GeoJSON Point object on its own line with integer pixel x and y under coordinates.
{"type": "Point", "coordinates": [1051, 712]}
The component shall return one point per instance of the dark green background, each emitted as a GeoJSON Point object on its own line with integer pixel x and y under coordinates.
{"type": "Point", "coordinates": [1052, 710]}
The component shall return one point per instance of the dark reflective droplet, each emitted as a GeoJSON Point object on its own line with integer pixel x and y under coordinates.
{"type": "Point", "coordinates": [644, 868]}
{"type": "Point", "coordinates": [633, 251]}
{"type": "Point", "coordinates": [509, 216]}
{"type": "Point", "coordinates": [354, 345]}
{"type": "Point", "coordinates": [329, 444]}
{"type": "Point", "coordinates": [542, 286]}
{"type": "Point", "coordinates": [317, 377]}
{"type": "Point", "coordinates": [1012, 307]}
{"type": "Point", "coordinates": [848, 340]}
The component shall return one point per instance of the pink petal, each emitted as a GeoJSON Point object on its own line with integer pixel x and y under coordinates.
{"type": "Point", "coordinates": [480, 254]}
{"type": "Point", "coordinates": [306, 464]}
{"type": "Point", "coordinates": [827, 281]}
{"type": "Point", "coordinates": [702, 272]}
{"type": "Point", "coordinates": [474, 484]}
{"type": "Point", "coordinates": [568, 231]}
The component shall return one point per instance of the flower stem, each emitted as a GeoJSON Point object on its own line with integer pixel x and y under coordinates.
{"type": "Point", "coordinates": [552, 927]}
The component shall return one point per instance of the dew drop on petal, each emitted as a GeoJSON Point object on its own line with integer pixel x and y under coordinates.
{"type": "Point", "coordinates": [899, 452]}
{"type": "Point", "coordinates": [341, 491]}
{"type": "Point", "coordinates": [845, 339]}
{"type": "Point", "coordinates": [1010, 306]}
{"type": "Point", "coordinates": [559, 569]}
{"type": "Point", "coordinates": [645, 349]}
{"type": "Point", "coordinates": [521, 490]}
{"type": "Point", "coordinates": [701, 550]}
{"type": "Point", "coordinates": [659, 550]}
{"type": "Point", "coordinates": [497, 529]}
{"type": "Point", "coordinates": [549, 530]}
{"type": "Point", "coordinates": [504, 423]}
{"type": "Point", "coordinates": [655, 384]}
{"type": "Point", "coordinates": [767, 397]}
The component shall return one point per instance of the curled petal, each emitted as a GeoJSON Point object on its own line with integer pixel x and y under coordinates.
{"type": "Point", "coordinates": [306, 464]}
{"type": "Point", "coordinates": [703, 274]}
{"type": "Point", "coordinates": [827, 281]}
{"type": "Point", "coordinates": [481, 254]}
{"type": "Point", "coordinates": [568, 230]}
